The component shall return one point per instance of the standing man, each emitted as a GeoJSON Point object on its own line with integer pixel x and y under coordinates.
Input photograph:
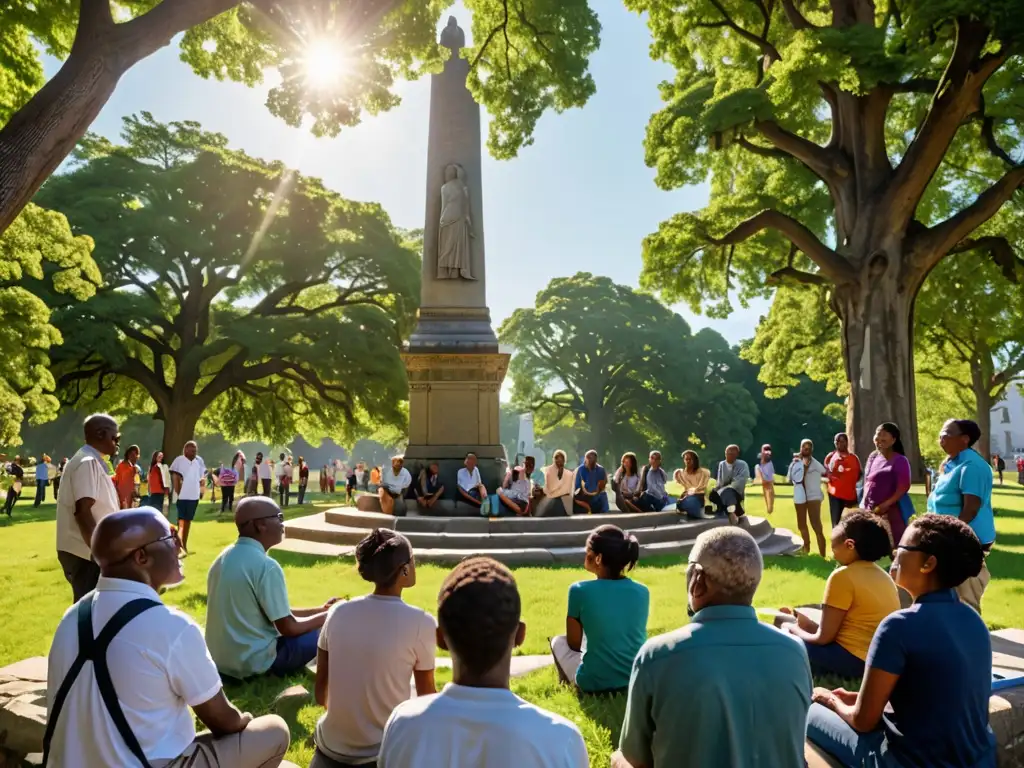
{"type": "Point", "coordinates": [844, 471]}
{"type": "Point", "coordinates": [188, 473]}
{"type": "Point", "coordinates": [250, 627]}
{"type": "Point", "coordinates": [86, 496]}
{"type": "Point", "coordinates": [263, 473]}
{"type": "Point", "coordinates": [731, 485]}
{"type": "Point", "coordinates": [394, 482]}
{"type": "Point", "coordinates": [471, 488]}
{"type": "Point", "coordinates": [17, 483]}
{"type": "Point", "coordinates": [43, 469]}
{"type": "Point", "coordinates": [652, 497]}
{"type": "Point", "coordinates": [591, 479]}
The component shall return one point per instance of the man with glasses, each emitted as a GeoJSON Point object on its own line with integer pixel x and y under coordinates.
{"type": "Point", "coordinates": [149, 665]}
{"type": "Point", "coordinates": [87, 495]}
{"type": "Point", "coordinates": [250, 627]}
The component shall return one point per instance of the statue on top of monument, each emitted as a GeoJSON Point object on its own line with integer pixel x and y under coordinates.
{"type": "Point", "coordinates": [452, 36]}
{"type": "Point", "coordinates": [454, 254]}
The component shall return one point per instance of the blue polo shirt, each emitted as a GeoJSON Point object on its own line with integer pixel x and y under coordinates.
{"type": "Point", "coordinates": [589, 478]}
{"type": "Point", "coordinates": [969, 474]}
{"type": "Point", "coordinates": [942, 652]}
{"type": "Point", "coordinates": [725, 690]}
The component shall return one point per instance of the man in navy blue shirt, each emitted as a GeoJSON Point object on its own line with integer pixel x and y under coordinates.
{"type": "Point", "coordinates": [591, 480]}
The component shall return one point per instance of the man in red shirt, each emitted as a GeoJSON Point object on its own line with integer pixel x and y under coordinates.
{"type": "Point", "coordinates": [844, 471]}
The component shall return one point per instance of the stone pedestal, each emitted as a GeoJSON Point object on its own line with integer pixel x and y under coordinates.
{"type": "Point", "coordinates": [453, 410]}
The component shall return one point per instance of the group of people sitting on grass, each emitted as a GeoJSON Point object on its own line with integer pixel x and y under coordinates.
{"type": "Point", "coordinates": [718, 691]}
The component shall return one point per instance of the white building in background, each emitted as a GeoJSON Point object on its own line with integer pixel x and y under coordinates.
{"type": "Point", "coordinates": [525, 445]}
{"type": "Point", "coordinates": [1007, 425]}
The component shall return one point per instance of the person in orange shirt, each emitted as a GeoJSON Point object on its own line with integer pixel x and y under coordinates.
{"type": "Point", "coordinates": [155, 481]}
{"type": "Point", "coordinates": [844, 471]}
{"type": "Point", "coordinates": [124, 477]}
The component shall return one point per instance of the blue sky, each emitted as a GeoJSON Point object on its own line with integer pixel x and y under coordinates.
{"type": "Point", "coordinates": [580, 198]}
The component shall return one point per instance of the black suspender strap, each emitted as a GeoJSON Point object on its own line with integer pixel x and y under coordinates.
{"type": "Point", "coordinates": [94, 649]}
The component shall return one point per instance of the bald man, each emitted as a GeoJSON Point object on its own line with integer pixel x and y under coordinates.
{"type": "Point", "coordinates": [87, 495]}
{"type": "Point", "coordinates": [250, 627]}
{"type": "Point", "coordinates": [150, 664]}
{"type": "Point", "coordinates": [188, 476]}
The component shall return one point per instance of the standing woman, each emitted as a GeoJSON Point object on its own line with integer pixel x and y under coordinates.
{"type": "Point", "coordinates": [124, 477]}
{"type": "Point", "coordinates": [766, 471]}
{"type": "Point", "coordinates": [238, 464]}
{"type": "Point", "coordinates": [303, 479]}
{"type": "Point", "coordinates": [693, 479]}
{"type": "Point", "coordinates": [887, 479]}
{"type": "Point", "coordinates": [610, 612]}
{"type": "Point", "coordinates": [155, 482]}
{"type": "Point", "coordinates": [42, 480]}
{"type": "Point", "coordinates": [806, 473]}
{"type": "Point", "coordinates": [843, 473]}
{"type": "Point", "coordinates": [369, 647]}
{"type": "Point", "coordinates": [627, 484]}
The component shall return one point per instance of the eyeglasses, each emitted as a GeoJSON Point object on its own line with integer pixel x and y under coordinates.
{"type": "Point", "coordinates": [908, 548]}
{"type": "Point", "coordinates": [172, 536]}
{"type": "Point", "coordinates": [278, 515]}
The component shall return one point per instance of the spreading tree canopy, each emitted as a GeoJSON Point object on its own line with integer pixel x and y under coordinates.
{"type": "Point", "coordinates": [336, 59]}
{"type": "Point", "coordinates": [234, 291]}
{"type": "Point", "coordinates": [628, 367]}
{"type": "Point", "coordinates": [850, 145]}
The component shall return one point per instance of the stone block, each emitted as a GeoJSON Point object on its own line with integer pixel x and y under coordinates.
{"type": "Point", "coordinates": [1006, 716]}
{"type": "Point", "coordinates": [33, 668]}
{"type": "Point", "coordinates": [23, 723]}
{"type": "Point", "coordinates": [370, 503]}
{"type": "Point", "coordinates": [290, 700]}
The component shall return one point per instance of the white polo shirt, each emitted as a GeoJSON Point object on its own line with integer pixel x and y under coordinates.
{"type": "Point", "coordinates": [469, 480]}
{"type": "Point", "coordinates": [464, 727]}
{"type": "Point", "coordinates": [160, 667]}
{"type": "Point", "coordinates": [192, 475]}
{"type": "Point", "coordinates": [85, 477]}
{"type": "Point", "coordinates": [263, 470]}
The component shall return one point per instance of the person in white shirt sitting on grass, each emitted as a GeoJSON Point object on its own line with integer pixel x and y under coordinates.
{"type": "Point", "coordinates": [471, 488]}
{"type": "Point", "coordinates": [394, 482]}
{"type": "Point", "coordinates": [476, 720]}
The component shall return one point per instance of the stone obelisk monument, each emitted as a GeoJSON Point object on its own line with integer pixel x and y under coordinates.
{"type": "Point", "coordinates": [452, 359]}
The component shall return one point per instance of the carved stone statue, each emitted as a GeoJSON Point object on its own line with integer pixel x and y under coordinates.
{"type": "Point", "coordinates": [454, 252]}
{"type": "Point", "coordinates": [452, 36]}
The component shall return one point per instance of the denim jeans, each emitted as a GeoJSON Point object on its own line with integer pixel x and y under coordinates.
{"type": "Point", "coordinates": [835, 660]}
{"type": "Point", "coordinates": [294, 653]}
{"type": "Point", "coordinates": [834, 735]}
{"type": "Point", "coordinates": [693, 506]}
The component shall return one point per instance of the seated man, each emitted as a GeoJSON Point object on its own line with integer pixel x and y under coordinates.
{"type": "Point", "coordinates": [476, 720]}
{"type": "Point", "coordinates": [591, 480]}
{"type": "Point", "coordinates": [394, 482]}
{"type": "Point", "coordinates": [515, 493]}
{"type": "Point", "coordinates": [250, 628]}
{"type": "Point", "coordinates": [652, 496]}
{"type": "Point", "coordinates": [428, 486]}
{"type": "Point", "coordinates": [471, 487]}
{"type": "Point", "coordinates": [750, 683]}
{"type": "Point", "coordinates": [152, 663]}
{"type": "Point", "coordinates": [730, 485]}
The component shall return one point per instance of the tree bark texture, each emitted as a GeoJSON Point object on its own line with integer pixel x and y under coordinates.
{"type": "Point", "coordinates": [179, 427]}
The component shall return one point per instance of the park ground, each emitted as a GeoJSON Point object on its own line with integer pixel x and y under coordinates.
{"type": "Point", "coordinates": [34, 596]}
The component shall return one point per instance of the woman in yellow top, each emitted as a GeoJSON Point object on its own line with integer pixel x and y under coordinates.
{"type": "Point", "coordinates": [858, 595]}
{"type": "Point", "coordinates": [693, 479]}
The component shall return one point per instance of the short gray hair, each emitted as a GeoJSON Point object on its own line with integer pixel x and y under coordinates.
{"type": "Point", "coordinates": [731, 559]}
{"type": "Point", "coordinates": [589, 453]}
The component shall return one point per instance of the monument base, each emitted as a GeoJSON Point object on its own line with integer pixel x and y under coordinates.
{"type": "Point", "coordinates": [453, 410]}
{"type": "Point", "coordinates": [453, 330]}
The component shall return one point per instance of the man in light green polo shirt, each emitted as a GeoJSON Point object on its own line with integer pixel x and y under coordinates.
{"type": "Point", "coordinates": [725, 690]}
{"type": "Point", "coordinates": [250, 627]}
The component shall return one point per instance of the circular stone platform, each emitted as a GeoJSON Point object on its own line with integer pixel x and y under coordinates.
{"type": "Point", "coordinates": [514, 541]}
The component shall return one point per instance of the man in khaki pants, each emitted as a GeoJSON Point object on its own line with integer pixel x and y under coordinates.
{"type": "Point", "coordinates": [125, 671]}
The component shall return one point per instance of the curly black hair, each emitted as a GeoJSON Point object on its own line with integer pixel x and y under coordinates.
{"type": "Point", "coordinates": [869, 536]}
{"type": "Point", "coordinates": [381, 556]}
{"type": "Point", "coordinates": [955, 547]}
{"type": "Point", "coordinates": [478, 611]}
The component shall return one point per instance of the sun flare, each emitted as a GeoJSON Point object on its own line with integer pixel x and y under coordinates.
{"type": "Point", "coordinates": [325, 64]}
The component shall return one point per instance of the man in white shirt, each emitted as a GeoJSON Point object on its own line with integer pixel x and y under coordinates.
{"type": "Point", "coordinates": [263, 473]}
{"type": "Point", "coordinates": [86, 496]}
{"type": "Point", "coordinates": [135, 710]}
{"type": "Point", "coordinates": [394, 481]}
{"type": "Point", "coordinates": [285, 475]}
{"type": "Point", "coordinates": [471, 487]}
{"type": "Point", "coordinates": [188, 473]}
{"type": "Point", "coordinates": [476, 720]}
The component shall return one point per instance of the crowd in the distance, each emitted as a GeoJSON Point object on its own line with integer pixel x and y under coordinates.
{"type": "Point", "coordinates": [723, 689]}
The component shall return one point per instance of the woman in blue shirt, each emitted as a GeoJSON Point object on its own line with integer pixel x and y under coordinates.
{"type": "Point", "coordinates": [964, 489]}
{"type": "Point", "coordinates": [932, 663]}
{"type": "Point", "coordinates": [607, 617]}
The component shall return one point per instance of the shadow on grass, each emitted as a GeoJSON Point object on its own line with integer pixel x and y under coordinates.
{"type": "Point", "coordinates": [607, 711]}
{"type": "Point", "coordinates": [24, 512]}
{"type": "Point", "coordinates": [300, 560]}
{"type": "Point", "coordinates": [258, 695]}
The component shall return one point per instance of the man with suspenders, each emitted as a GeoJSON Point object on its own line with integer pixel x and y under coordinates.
{"type": "Point", "coordinates": [124, 669]}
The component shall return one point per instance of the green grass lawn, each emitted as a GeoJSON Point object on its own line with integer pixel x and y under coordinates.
{"type": "Point", "coordinates": [34, 596]}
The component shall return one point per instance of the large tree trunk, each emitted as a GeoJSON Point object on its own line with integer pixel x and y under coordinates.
{"type": "Point", "coordinates": [877, 323]}
{"type": "Point", "coordinates": [983, 416]}
{"type": "Point", "coordinates": [179, 427]}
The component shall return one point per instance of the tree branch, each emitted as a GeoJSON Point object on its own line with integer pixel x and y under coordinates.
{"type": "Point", "coordinates": [988, 133]}
{"type": "Point", "coordinates": [762, 43]}
{"type": "Point", "coordinates": [796, 19]}
{"type": "Point", "coordinates": [832, 265]}
{"type": "Point", "coordinates": [793, 275]}
{"type": "Point", "coordinates": [154, 29]}
{"type": "Point", "coordinates": [830, 166]}
{"type": "Point", "coordinates": [94, 21]}
{"type": "Point", "coordinates": [757, 149]}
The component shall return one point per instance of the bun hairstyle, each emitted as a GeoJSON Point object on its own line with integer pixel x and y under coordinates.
{"type": "Point", "coordinates": [956, 548]}
{"type": "Point", "coordinates": [619, 550]}
{"type": "Point", "coordinates": [381, 556]}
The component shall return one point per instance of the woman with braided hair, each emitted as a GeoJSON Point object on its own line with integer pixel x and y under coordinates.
{"type": "Point", "coordinates": [607, 618]}
{"type": "Point", "coordinates": [369, 647]}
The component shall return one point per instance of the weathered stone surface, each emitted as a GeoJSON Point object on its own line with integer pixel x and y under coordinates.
{"type": "Point", "coordinates": [23, 723]}
{"type": "Point", "coordinates": [26, 669]}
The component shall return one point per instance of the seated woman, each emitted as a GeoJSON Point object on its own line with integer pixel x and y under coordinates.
{"type": "Point", "coordinates": [607, 618]}
{"type": "Point", "coordinates": [931, 663]}
{"type": "Point", "coordinates": [515, 497]}
{"type": "Point", "coordinates": [369, 648]}
{"type": "Point", "coordinates": [558, 486]}
{"type": "Point", "coordinates": [428, 486]}
{"type": "Point", "coordinates": [626, 483]}
{"type": "Point", "coordinates": [858, 596]}
{"type": "Point", "coordinates": [693, 479]}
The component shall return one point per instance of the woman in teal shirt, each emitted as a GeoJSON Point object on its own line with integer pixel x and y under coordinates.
{"type": "Point", "coordinates": [607, 617]}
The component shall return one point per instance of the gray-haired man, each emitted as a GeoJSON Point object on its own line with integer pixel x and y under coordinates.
{"type": "Point", "coordinates": [747, 686]}
{"type": "Point", "coordinates": [730, 485]}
